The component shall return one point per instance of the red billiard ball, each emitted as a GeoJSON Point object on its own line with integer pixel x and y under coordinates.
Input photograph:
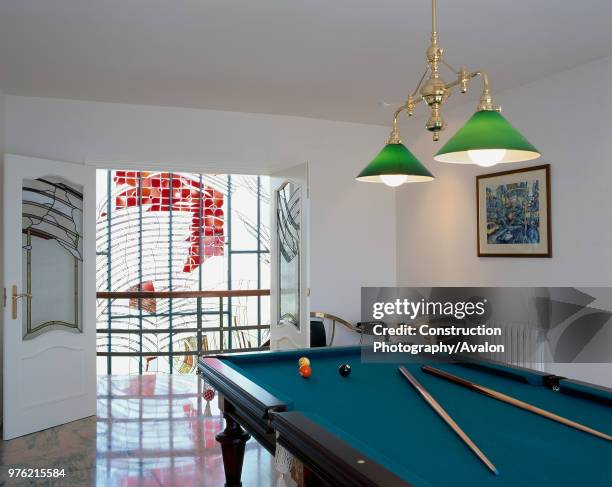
{"type": "Point", "coordinates": [305, 371]}
{"type": "Point", "coordinates": [344, 370]}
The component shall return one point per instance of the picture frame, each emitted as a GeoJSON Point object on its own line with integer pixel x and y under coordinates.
{"type": "Point", "coordinates": [513, 213]}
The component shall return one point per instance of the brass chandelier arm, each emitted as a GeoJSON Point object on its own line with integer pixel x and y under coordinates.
{"type": "Point", "coordinates": [486, 101]}
{"type": "Point", "coordinates": [485, 80]}
{"type": "Point", "coordinates": [450, 67]}
{"type": "Point", "coordinates": [394, 136]}
{"type": "Point", "coordinates": [416, 90]}
{"type": "Point", "coordinates": [414, 98]}
{"type": "Point", "coordinates": [463, 77]}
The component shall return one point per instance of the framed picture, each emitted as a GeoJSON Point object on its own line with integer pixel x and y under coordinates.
{"type": "Point", "coordinates": [513, 213]}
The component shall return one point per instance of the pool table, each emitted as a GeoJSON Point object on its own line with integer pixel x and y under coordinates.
{"type": "Point", "coordinates": [373, 429]}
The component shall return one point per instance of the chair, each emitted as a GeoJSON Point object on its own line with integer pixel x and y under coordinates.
{"type": "Point", "coordinates": [318, 336]}
{"type": "Point", "coordinates": [317, 328]}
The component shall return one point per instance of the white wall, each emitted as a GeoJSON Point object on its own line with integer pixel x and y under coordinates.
{"type": "Point", "coordinates": [353, 224]}
{"type": "Point", "coordinates": [568, 117]}
{"type": "Point", "coordinates": [2, 145]}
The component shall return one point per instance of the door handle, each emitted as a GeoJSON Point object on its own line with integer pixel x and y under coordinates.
{"type": "Point", "coordinates": [16, 297]}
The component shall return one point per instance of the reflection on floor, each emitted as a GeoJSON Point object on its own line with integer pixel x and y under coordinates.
{"type": "Point", "coordinates": [151, 431]}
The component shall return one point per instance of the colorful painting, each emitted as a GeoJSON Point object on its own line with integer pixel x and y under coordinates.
{"type": "Point", "coordinates": [514, 213]}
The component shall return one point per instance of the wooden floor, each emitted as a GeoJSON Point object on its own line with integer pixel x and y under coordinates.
{"type": "Point", "coordinates": [150, 431]}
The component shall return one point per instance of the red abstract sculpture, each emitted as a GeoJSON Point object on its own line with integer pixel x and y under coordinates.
{"type": "Point", "coordinates": [162, 191]}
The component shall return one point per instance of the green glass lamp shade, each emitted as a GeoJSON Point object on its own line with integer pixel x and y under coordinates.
{"type": "Point", "coordinates": [395, 160]}
{"type": "Point", "coordinates": [487, 139]}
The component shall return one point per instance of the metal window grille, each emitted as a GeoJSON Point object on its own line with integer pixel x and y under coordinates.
{"type": "Point", "coordinates": [176, 233]}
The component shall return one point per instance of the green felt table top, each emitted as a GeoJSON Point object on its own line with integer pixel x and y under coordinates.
{"type": "Point", "coordinates": [378, 412]}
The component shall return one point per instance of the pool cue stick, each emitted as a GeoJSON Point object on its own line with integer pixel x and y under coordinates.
{"type": "Point", "coordinates": [446, 417]}
{"type": "Point", "coordinates": [514, 402]}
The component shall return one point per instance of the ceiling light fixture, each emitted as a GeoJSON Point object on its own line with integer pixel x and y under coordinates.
{"type": "Point", "coordinates": [486, 139]}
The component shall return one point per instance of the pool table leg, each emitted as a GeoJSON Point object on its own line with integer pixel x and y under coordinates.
{"type": "Point", "coordinates": [233, 439]}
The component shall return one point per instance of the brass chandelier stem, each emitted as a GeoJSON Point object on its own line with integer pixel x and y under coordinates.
{"type": "Point", "coordinates": [435, 91]}
{"type": "Point", "coordinates": [434, 22]}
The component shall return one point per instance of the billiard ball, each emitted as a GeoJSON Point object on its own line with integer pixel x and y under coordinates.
{"type": "Point", "coordinates": [305, 371]}
{"type": "Point", "coordinates": [303, 361]}
{"type": "Point", "coordinates": [344, 370]}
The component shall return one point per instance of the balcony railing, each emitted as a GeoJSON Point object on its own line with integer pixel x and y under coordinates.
{"type": "Point", "coordinates": [229, 335]}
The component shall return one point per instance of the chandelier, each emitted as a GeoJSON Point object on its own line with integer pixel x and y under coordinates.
{"type": "Point", "coordinates": [486, 139]}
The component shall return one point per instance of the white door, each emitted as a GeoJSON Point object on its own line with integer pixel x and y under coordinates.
{"type": "Point", "coordinates": [290, 313]}
{"type": "Point", "coordinates": [49, 375]}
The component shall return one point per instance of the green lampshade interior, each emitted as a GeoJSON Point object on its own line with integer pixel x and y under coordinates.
{"type": "Point", "coordinates": [487, 131]}
{"type": "Point", "coordinates": [395, 159]}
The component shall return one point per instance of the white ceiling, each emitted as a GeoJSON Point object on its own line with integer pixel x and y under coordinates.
{"type": "Point", "coordinates": [331, 59]}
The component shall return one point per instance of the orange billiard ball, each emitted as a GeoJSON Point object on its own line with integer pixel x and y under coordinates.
{"type": "Point", "coordinates": [305, 371]}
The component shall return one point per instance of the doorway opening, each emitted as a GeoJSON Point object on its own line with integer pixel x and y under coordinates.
{"type": "Point", "coordinates": [183, 268]}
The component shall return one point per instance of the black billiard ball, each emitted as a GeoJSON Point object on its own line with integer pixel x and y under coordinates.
{"type": "Point", "coordinates": [344, 370]}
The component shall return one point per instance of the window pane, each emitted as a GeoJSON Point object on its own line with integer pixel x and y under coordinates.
{"type": "Point", "coordinates": [244, 213]}
{"type": "Point", "coordinates": [163, 231]}
{"type": "Point", "coordinates": [244, 271]}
